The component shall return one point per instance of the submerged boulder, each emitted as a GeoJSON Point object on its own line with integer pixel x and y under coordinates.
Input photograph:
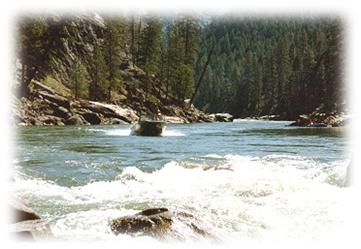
{"type": "Point", "coordinates": [158, 223]}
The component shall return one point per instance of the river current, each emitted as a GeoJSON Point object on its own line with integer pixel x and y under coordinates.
{"type": "Point", "coordinates": [247, 180]}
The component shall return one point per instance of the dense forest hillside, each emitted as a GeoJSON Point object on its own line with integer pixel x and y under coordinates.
{"type": "Point", "coordinates": [251, 66]}
{"type": "Point", "coordinates": [87, 53]}
{"type": "Point", "coordinates": [263, 66]}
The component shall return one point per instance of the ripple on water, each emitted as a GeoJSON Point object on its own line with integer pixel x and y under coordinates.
{"type": "Point", "coordinates": [92, 149]}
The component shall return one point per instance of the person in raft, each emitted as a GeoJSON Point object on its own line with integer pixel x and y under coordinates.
{"type": "Point", "coordinates": [158, 116]}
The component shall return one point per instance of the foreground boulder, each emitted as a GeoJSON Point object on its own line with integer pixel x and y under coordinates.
{"type": "Point", "coordinates": [159, 223]}
{"type": "Point", "coordinates": [26, 224]}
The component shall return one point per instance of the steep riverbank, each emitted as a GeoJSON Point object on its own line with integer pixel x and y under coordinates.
{"type": "Point", "coordinates": [44, 106]}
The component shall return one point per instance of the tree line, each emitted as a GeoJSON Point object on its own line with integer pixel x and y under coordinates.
{"type": "Point", "coordinates": [259, 66]}
{"type": "Point", "coordinates": [281, 66]}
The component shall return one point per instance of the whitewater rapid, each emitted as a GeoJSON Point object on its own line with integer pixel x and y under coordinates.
{"type": "Point", "coordinates": [238, 198]}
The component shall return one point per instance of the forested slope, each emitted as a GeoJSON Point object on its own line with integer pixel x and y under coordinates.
{"type": "Point", "coordinates": [259, 66]}
{"type": "Point", "coordinates": [143, 63]}
{"type": "Point", "coordinates": [263, 66]}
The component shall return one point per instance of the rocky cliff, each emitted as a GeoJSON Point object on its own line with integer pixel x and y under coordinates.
{"type": "Point", "coordinates": [44, 106]}
{"type": "Point", "coordinates": [56, 47]}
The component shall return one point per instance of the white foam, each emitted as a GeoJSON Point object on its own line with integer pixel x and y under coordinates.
{"type": "Point", "coordinates": [270, 198]}
{"type": "Point", "coordinates": [172, 133]}
{"type": "Point", "coordinates": [118, 132]}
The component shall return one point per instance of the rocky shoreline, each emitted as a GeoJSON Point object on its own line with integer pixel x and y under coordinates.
{"type": "Point", "coordinates": [319, 119]}
{"type": "Point", "coordinates": [46, 107]}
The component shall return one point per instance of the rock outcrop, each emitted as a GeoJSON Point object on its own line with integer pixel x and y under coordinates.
{"type": "Point", "coordinates": [321, 119]}
{"type": "Point", "coordinates": [159, 223]}
{"type": "Point", "coordinates": [222, 117]}
{"type": "Point", "coordinates": [46, 107]}
{"type": "Point", "coordinates": [26, 224]}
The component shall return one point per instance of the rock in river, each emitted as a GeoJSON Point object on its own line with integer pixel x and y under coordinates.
{"type": "Point", "coordinates": [222, 117]}
{"type": "Point", "coordinates": [26, 224]}
{"type": "Point", "coordinates": [159, 223]}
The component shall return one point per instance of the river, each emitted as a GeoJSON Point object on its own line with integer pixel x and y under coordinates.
{"type": "Point", "coordinates": [246, 180]}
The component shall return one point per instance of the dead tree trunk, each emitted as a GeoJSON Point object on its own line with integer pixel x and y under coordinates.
{"type": "Point", "coordinates": [202, 74]}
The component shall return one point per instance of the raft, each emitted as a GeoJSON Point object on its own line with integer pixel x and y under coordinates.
{"type": "Point", "coordinates": [148, 128]}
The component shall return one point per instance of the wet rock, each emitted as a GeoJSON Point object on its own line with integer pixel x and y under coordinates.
{"type": "Point", "coordinates": [31, 230]}
{"type": "Point", "coordinates": [223, 117]}
{"type": "Point", "coordinates": [159, 223]}
{"type": "Point", "coordinates": [26, 224]}
{"type": "Point", "coordinates": [21, 212]}
{"type": "Point", "coordinates": [321, 119]}
{"type": "Point", "coordinates": [302, 120]}
{"type": "Point", "coordinates": [148, 222]}
{"type": "Point", "coordinates": [76, 120]}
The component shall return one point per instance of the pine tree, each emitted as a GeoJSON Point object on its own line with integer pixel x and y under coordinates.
{"type": "Point", "coordinates": [31, 50]}
{"type": "Point", "coordinates": [284, 73]}
{"type": "Point", "coordinates": [150, 49]}
{"type": "Point", "coordinates": [181, 55]}
{"type": "Point", "coordinates": [114, 45]}
{"type": "Point", "coordinates": [80, 80]}
{"type": "Point", "coordinates": [333, 61]}
{"type": "Point", "coordinates": [175, 58]}
{"type": "Point", "coordinates": [99, 84]}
